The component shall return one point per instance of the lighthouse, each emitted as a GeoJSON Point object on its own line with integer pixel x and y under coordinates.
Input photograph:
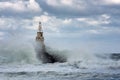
{"type": "Point", "coordinates": [42, 53]}
{"type": "Point", "coordinates": [40, 37]}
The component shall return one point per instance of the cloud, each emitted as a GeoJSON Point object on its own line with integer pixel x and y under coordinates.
{"type": "Point", "coordinates": [61, 30]}
{"type": "Point", "coordinates": [67, 21]}
{"type": "Point", "coordinates": [33, 5]}
{"type": "Point", "coordinates": [102, 24]}
{"type": "Point", "coordinates": [79, 8]}
{"type": "Point", "coordinates": [19, 8]}
{"type": "Point", "coordinates": [112, 2]}
{"type": "Point", "coordinates": [59, 8]}
{"type": "Point", "coordinates": [100, 20]}
{"type": "Point", "coordinates": [71, 27]}
{"type": "Point", "coordinates": [63, 21]}
{"type": "Point", "coordinates": [1, 33]}
{"type": "Point", "coordinates": [66, 3]}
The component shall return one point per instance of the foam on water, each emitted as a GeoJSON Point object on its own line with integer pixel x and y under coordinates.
{"type": "Point", "coordinates": [19, 62]}
{"type": "Point", "coordinates": [58, 71]}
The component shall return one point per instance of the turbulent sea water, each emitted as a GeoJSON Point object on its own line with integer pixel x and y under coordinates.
{"type": "Point", "coordinates": [21, 64]}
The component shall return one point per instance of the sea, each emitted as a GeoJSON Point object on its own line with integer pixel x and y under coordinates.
{"type": "Point", "coordinates": [21, 63]}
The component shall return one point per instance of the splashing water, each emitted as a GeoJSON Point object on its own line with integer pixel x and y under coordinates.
{"type": "Point", "coordinates": [48, 56]}
{"type": "Point", "coordinates": [19, 62]}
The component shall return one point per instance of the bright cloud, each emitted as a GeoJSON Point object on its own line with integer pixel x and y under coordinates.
{"type": "Point", "coordinates": [67, 2]}
{"type": "Point", "coordinates": [112, 1]}
{"type": "Point", "coordinates": [67, 21]}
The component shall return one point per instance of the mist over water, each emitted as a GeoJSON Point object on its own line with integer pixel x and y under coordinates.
{"type": "Point", "coordinates": [24, 53]}
{"type": "Point", "coordinates": [47, 55]}
{"type": "Point", "coordinates": [17, 53]}
{"type": "Point", "coordinates": [19, 61]}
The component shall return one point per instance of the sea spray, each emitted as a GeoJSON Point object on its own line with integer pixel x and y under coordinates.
{"type": "Point", "coordinates": [48, 55]}
{"type": "Point", "coordinates": [42, 54]}
{"type": "Point", "coordinates": [15, 53]}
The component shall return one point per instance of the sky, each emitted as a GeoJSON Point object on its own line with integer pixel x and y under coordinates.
{"type": "Point", "coordinates": [84, 25]}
